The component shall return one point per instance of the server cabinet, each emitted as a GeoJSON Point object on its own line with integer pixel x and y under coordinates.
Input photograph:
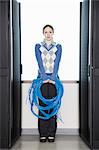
{"type": "Point", "coordinates": [89, 73]}
{"type": "Point", "coordinates": [10, 73]}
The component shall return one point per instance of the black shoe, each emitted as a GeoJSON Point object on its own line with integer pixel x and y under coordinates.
{"type": "Point", "coordinates": [43, 139]}
{"type": "Point", "coordinates": [51, 139]}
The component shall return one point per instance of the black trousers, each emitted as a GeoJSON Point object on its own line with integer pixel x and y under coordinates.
{"type": "Point", "coordinates": [47, 127]}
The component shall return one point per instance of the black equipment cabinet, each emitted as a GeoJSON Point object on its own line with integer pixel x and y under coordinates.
{"type": "Point", "coordinates": [10, 73]}
{"type": "Point", "coordinates": [89, 73]}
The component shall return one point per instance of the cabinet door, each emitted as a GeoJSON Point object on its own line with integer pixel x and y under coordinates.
{"type": "Point", "coordinates": [96, 74]}
{"type": "Point", "coordinates": [84, 100]}
{"type": "Point", "coordinates": [4, 75]}
{"type": "Point", "coordinates": [16, 101]}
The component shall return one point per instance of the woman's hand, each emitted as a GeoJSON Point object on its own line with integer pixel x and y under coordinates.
{"type": "Point", "coordinates": [49, 81]}
{"type": "Point", "coordinates": [46, 81]}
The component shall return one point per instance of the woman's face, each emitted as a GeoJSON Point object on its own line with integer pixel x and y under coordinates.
{"type": "Point", "coordinates": [48, 33]}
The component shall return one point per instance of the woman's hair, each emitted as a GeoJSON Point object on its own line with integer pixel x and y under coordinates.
{"type": "Point", "coordinates": [48, 26]}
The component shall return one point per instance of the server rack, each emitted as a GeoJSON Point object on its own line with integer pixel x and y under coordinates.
{"type": "Point", "coordinates": [10, 73]}
{"type": "Point", "coordinates": [89, 73]}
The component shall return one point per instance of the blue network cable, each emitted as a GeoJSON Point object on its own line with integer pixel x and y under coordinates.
{"type": "Point", "coordinates": [54, 103]}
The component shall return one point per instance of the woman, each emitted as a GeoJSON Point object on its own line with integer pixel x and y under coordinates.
{"type": "Point", "coordinates": [48, 55]}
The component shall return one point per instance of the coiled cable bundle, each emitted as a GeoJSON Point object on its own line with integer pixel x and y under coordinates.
{"type": "Point", "coordinates": [53, 103]}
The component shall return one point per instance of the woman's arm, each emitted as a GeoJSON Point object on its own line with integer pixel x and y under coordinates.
{"type": "Point", "coordinates": [40, 63]}
{"type": "Point", "coordinates": [57, 61]}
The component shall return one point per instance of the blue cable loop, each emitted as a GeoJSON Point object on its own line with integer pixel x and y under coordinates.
{"type": "Point", "coordinates": [53, 103]}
